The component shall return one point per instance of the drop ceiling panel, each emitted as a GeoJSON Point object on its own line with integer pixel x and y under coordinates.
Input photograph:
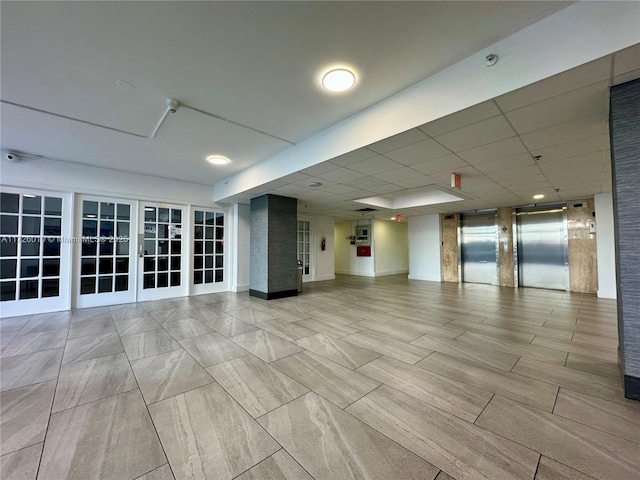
{"type": "Point", "coordinates": [573, 79]}
{"type": "Point", "coordinates": [377, 164]}
{"type": "Point", "coordinates": [597, 143]}
{"type": "Point", "coordinates": [507, 163]}
{"type": "Point", "coordinates": [584, 102]}
{"type": "Point", "coordinates": [398, 141]}
{"type": "Point", "coordinates": [341, 175]}
{"type": "Point", "coordinates": [449, 163]}
{"type": "Point", "coordinates": [418, 181]}
{"type": "Point", "coordinates": [402, 173]}
{"type": "Point", "coordinates": [365, 182]}
{"type": "Point", "coordinates": [585, 127]}
{"type": "Point", "coordinates": [476, 135]}
{"type": "Point", "coordinates": [418, 152]}
{"type": "Point", "coordinates": [461, 119]}
{"type": "Point", "coordinates": [353, 157]}
{"type": "Point", "coordinates": [492, 151]}
{"type": "Point", "coordinates": [320, 168]}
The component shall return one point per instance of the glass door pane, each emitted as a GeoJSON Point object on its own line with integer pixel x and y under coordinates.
{"type": "Point", "coordinates": [105, 255]}
{"type": "Point", "coordinates": [161, 251]}
{"type": "Point", "coordinates": [34, 252]}
{"type": "Point", "coordinates": [209, 273]}
{"type": "Point", "coordinates": [304, 246]}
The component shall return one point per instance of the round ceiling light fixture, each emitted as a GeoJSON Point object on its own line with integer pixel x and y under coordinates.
{"type": "Point", "coordinates": [315, 184]}
{"type": "Point", "coordinates": [217, 160]}
{"type": "Point", "coordinates": [338, 80]}
{"type": "Point", "coordinates": [538, 196]}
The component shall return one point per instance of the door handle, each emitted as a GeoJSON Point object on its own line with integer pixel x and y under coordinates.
{"type": "Point", "coordinates": [140, 245]}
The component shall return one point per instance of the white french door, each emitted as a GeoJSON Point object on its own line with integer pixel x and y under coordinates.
{"type": "Point", "coordinates": [162, 248]}
{"type": "Point", "coordinates": [35, 251]}
{"type": "Point", "coordinates": [304, 250]}
{"type": "Point", "coordinates": [105, 252]}
{"type": "Point", "coordinates": [209, 251]}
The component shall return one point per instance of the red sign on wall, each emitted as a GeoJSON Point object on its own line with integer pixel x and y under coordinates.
{"type": "Point", "coordinates": [363, 251]}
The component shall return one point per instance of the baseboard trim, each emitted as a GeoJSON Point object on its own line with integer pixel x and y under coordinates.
{"type": "Point", "coordinates": [355, 274]}
{"type": "Point", "coordinates": [391, 272]}
{"type": "Point", "coordinates": [425, 278]}
{"type": "Point", "coordinates": [273, 295]}
{"type": "Point", "coordinates": [322, 278]}
{"type": "Point", "coordinates": [240, 288]}
{"type": "Point", "coordinates": [632, 387]}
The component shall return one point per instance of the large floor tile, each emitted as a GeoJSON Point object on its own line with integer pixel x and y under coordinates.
{"type": "Point", "coordinates": [6, 338]}
{"type": "Point", "coordinates": [90, 380]}
{"type": "Point", "coordinates": [136, 325]}
{"type": "Point", "coordinates": [455, 397]}
{"type": "Point", "coordinates": [328, 328]}
{"type": "Point", "coordinates": [279, 466]}
{"type": "Point", "coordinates": [92, 327]}
{"type": "Point", "coordinates": [524, 389]}
{"type": "Point", "coordinates": [620, 420]}
{"type": "Point", "coordinates": [401, 332]}
{"type": "Point", "coordinates": [549, 469]}
{"type": "Point", "coordinates": [13, 324]}
{"type": "Point", "coordinates": [597, 366]}
{"type": "Point", "coordinates": [227, 325]}
{"type": "Point", "coordinates": [265, 345]}
{"type": "Point", "coordinates": [515, 324]}
{"type": "Point", "coordinates": [330, 444]}
{"type": "Point", "coordinates": [583, 448]}
{"type": "Point", "coordinates": [341, 352]}
{"type": "Point", "coordinates": [111, 439]}
{"type": "Point", "coordinates": [97, 313]}
{"type": "Point", "coordinates": [24, 414]}
{"type": "Point", "coordinates": [46, 322]}
{"type": "Point", "coordinates": [146, 344]}
{"type": "Point", "coordinates": [127, 311]}
{"type": "Point", "coordinates": [575, 347]}
{"type": "Point", "coordinates": [211, 349]}
{"type": "Point", "coordinates": [208, 436]}
{"type": "Point", "coordinates": [459, 448]}
{"type": "Point", "coordinates": [473, 353]}
{"type": "Point", "coordinates": [160, 473]}
{"type": "Point", "coordinates": [594, 385]}
{"type": "Point", "coordinates": [21, 465]}
{"type": "Point", "coordinates": [492, 331]}
{"type": "Point", "coordinates": [256, 385]}
{"type": "Point", "coordinates": [290, 331]}
{"type": "Point", "coordinates": [336, 383]}
{"type": "Point", "coordinates": [168, 374]}
{"type": "Point", "coordinates": [187, 328]}
{"type": "Point", "coordinates": [35, 342]}
{"type": "Point", "coordinates": [29, 368]}
{"type": "Point", "coordinates": [388, 346]}
{"type": "Point", "coordinates": [251, 315]}
{"type": "Point", "coordinates": [86, 348]}
{"type": "Point", "coordinates": [513, 347]}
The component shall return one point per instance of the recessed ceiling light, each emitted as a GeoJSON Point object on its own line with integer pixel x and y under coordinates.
{"type": "Point", "coordinates": [217, 160]}
{"type": "Point", "coordinates": [538, 196]}
{"type": "Point", "coordinates": [338, 80]}
{"type": "Point", "coordinates": [315, 184]}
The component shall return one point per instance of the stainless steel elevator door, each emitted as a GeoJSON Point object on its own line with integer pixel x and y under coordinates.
{"type": "Point", "coordinates": [478, 235]}
{"type": "Point", "coordinates": [542, 250]}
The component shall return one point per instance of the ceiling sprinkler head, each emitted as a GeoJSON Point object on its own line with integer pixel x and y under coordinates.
{"type": "Point", "coordinates": [173, 105]}
{"type": "Point", "coordinates": [491, 60]}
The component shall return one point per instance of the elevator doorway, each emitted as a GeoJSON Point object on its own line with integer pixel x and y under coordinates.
{"type": "Point", "coordinates": [542, 249]}
{"type": "Point", "coordinates": [478, 248]}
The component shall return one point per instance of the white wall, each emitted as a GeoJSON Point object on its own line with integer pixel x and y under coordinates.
{"type": "Point", "coordinates": [346, 261]}
{"type": "Point", "coordinates": [424, 248]}
{"type": "Point", "coordinates": [78, 178]}
{"type": "Point", "coordinates": [324, 260]}
{"type": "Point", "coordinates": [391, 248]}
{"type": "Point", "coordinates": [240, 248]}
{"type": "Point", "coordinates": [605, 245]}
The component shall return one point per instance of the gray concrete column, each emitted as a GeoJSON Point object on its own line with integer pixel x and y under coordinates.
{"type": "Point", "coordinates": [273, 272]}
{"type": "Point", "coordinates": [624, 127]}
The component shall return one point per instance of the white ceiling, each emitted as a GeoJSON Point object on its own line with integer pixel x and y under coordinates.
{"type": "Point", "coordinates": [258, 64]}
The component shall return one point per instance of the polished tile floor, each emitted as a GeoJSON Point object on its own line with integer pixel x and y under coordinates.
{"type": "Point", "coordinates": [356, 378]}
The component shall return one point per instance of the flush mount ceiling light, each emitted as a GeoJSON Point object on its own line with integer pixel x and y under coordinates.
{"type": "Point", "coordinates": [538, 196]}
{"type": "Point", "coordinates": [315, 184]}
{"type": "Point", "coordinates": [393, 218]}
{"type": "Point", "coordinates": [217, 160]}
{"type": "Point", "coordinates": [338, 80]}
